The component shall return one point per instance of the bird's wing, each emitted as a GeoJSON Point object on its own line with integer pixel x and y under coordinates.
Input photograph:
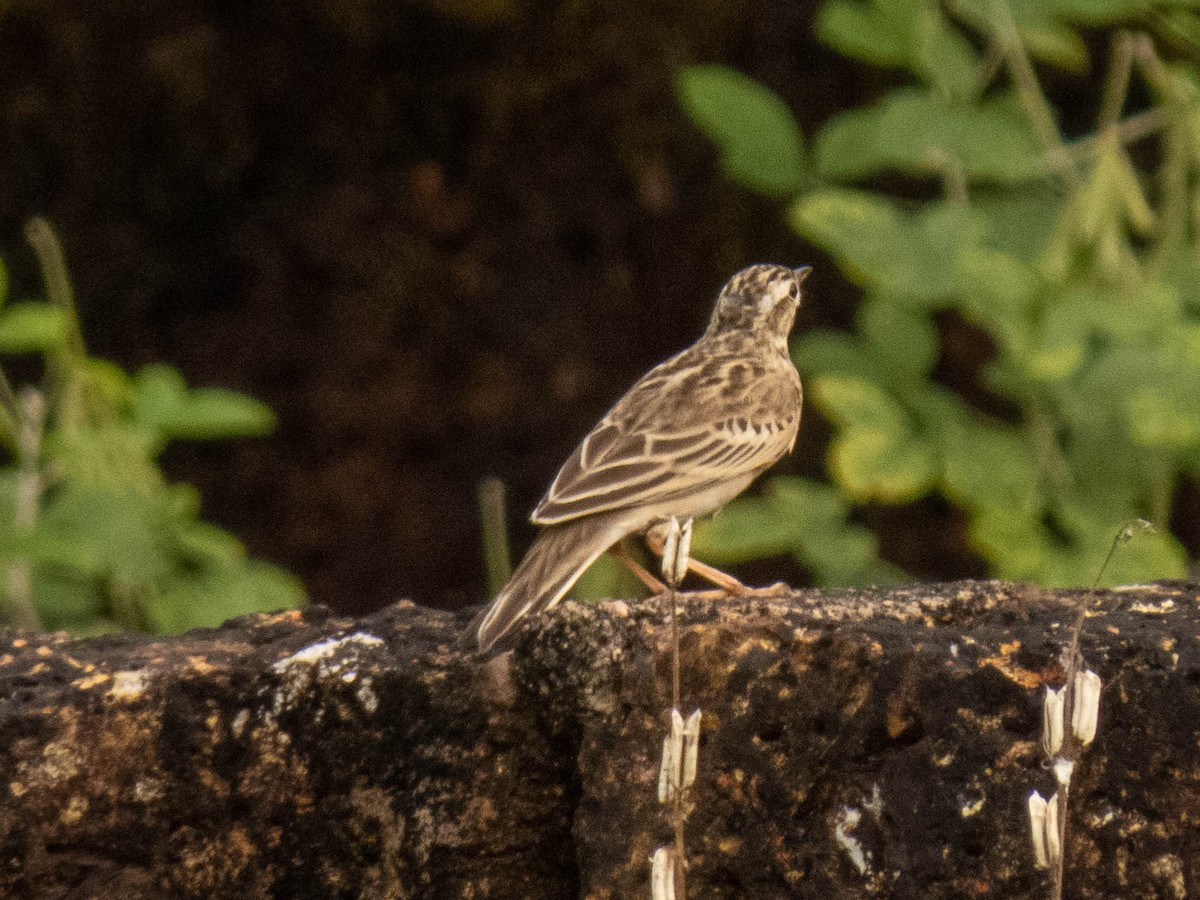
{"type": "Point", "coordinates": [625, 462]}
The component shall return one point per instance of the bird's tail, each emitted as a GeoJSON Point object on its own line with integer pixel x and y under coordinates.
{"type": "Point", "coordinates": [553, 564]}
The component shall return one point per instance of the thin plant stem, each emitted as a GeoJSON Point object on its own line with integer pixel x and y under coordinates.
{"type": "Point", "coordinates": [1072, 663]}
{"type": "Point", "coordinates": [1128, 131]}
{"type": "Point", "coordinates": [1173, 205]}
{"type": "Point", "coordinates": [677, 812]}
{"type": "Point", "coordinates": [493, 522]}
{"type": "Point", "coordinates": [1056, 889]}
{"type": "Point", "coordinates": [10, 412]}
{"type": "Point", "coordinates": [53, 263]}
{"type": "Point", "coordinates": [62, 388]}
{"type": "Point", "coordinates": [1116, 85]}
{"type": "Point", "coordinates": [954, 181]}
{"type": "Point", "coordinates": [29, 489]}
{"type": "Point", "coordinates": [1029, 92]}
{"type": "Point", "coordinates": [674, 568]}
{"type": "Point", "coordinates": [1176, 163]}
{"type": "Point", "coordinates": [127, 605]}
{"type": "Point", "coordinates": [674, 648]}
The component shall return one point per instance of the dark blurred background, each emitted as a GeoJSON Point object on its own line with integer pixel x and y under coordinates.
{"type": "Point", "coordinates": [439, 239]}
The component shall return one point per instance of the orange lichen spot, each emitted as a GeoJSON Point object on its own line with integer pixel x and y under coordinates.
{"type": "Point", "coordinates": [20, 642]}
{"type": "Point", "coordinates": [899, 717]}
{"type": "Point", "coordinates": [44, 651]}
{"type": "Point", "coordinates": [201, 665]}
{"type": "Point", "coordinates": [288, 615]}
{"type": "Point", "coordinates": [76, 808]}
{"type": "Point", "coordinates": [85, 684]}
{"type": "Point", "coordinates": [1002, 661]}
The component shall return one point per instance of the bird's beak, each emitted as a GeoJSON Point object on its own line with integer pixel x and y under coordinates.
{"type": "Point", "coordinates": [802, 273]}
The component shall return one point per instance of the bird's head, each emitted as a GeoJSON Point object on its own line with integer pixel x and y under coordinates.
{"type": "Point", "coordinates": [762, 298]}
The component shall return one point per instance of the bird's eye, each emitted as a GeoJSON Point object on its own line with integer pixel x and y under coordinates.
{"type": "Point", "coordinates": [794, 291]}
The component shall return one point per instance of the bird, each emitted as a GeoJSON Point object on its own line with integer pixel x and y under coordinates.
{"type": "Point", "coordinates": [687, 438]}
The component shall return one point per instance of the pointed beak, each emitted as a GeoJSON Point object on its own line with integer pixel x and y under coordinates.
{"type": "Point", "coordinates": [802, 273]}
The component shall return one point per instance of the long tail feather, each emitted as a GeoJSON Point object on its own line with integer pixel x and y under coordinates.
{"type": "Point", "coordinates": [553, 564]}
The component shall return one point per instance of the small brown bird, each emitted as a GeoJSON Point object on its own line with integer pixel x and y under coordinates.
{"type": "Point", "coordinates": [685, 440]}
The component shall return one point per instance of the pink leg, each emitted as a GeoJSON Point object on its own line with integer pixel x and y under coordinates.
{"type": "Point", "coordinates": [655, 586]}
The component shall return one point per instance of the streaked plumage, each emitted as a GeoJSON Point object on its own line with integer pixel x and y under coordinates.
{"type": "Point", "coordinates": [686, 438]}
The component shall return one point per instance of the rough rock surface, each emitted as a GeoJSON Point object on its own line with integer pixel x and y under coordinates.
{"type": "Point", "coordinates": [854, 745]}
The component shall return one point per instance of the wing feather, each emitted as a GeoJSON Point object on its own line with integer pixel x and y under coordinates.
{"type": "Point", "coordinates": [617, 468]}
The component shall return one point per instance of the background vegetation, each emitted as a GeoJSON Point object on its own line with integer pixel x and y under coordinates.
{"type": "Point", "coordinates": [92, 537]}
{"type": "Point", "coordinates": [438, 238]}
{"type": "Point", "coordinates": [1077, 261]}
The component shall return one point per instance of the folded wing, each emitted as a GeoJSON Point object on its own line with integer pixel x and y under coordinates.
{"type": "Point", "coordinates": [619, 466]}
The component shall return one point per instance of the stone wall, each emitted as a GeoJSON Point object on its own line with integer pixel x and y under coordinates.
{"type": "Point", "coordinates": [853, 745]}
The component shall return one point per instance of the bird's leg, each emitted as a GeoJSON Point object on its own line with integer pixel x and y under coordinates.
{"type": "Point", "coordinates": [656, 587]}
{"type": "Point", "coordinates": [726, 582]}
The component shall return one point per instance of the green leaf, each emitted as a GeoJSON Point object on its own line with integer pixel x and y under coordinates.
{"type": "Point", "coordinates": [904, 256]}
{"type": "Point", "coordinates": [828, 353]}
{"type": "Point", "coordinates": [925, 134]}
{"type": "Point", "coordinates": [213, 413]}
{"type": "Point", "coordinates": [213, 596]}
{"type": "Point", "coordinates": [1045, 37]}
{"type": "Point", "coordinates": [1020, 548]}
{"type": "Point", "coordinates": [866, 232]}
{"type": "Point", "coordinates": [107, 387]}
{"type": "Point", "coordinates": [1059, 342]}
{"type": "Point", "coordinates": [1110, 480]}
{"type": "Point", "coordinates": [988, 467]}
{"type": "Point", "coordinates": [947, 232]}
{"type": "Point", "coordinates": [760, 142]}
{"type": "Point", "coordinates": [915, 35]}
{"type": "Point", "coordinates": [607, 577]}
{"type": "Point", "coordinates": [209, 545]}
{"type": "Point", "coordinates": [1148, 557]}
{"type": "Point", "coordinates": [32, 328]}
{"type": "Point", "coordinates": [999, 293]}
{"type": "Point", "coordinates": [1053, 42]}
{"type": "Point", "coordinates": [1101, 217]}
{"type": "Point", "coordinates": [883, 466]}
{"type": "Point", "coordinates": [906, 339]}
{"type": "Point", "coordinates": [1182, 271]}
{"type": "Point", "coordinates": [1012, 541]}
{"type": "Point", "coordinates": [858, 403]}
{"type": "Point", "coordinates": [116, 456]}
{"type": "Point", "coordinates": [65, 597]}
{"type": "Point", "coordinates": [1075, 318]}
{"type": "Point", "coordinates": [942, 57]}
{"type": "Point", "coordinates": [1147, 309]}
{"type": "Point", "coordinates": [163, 402]}
{"type": "Point", "coordinates": [101, 532]}
{"type": "Point", "coordinates": [1018, 223]}
{"type": "Point", "coordinates": [1097, 398]}
{"type": "Point", "coordinates": [1099, 12]}
{"type": "Point", "coordinates": [755, 527]}
{"type": "Point", "coordinates": [877, 454]}
{"type": "Point", "coordinates": [799, 517]}
{"type": "Point", "coordinates": [1167, 415]}
{"type": "Point", "coordinates": [863, 31]}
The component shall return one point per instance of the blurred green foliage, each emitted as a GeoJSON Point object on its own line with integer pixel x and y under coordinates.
{"type": "Point", "coordinates": [92, 538]}
{"type": "Point", "coordinates": [1080, 265]}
